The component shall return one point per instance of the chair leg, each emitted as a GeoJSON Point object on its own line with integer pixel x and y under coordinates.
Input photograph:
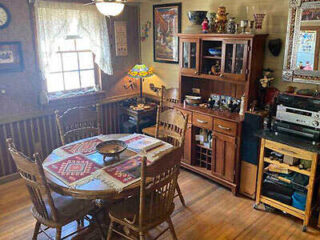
{"type": "Point", "coordinates": [58, 233]}
{"type": "Point", "coordinates": [141, 236]}
{"type": "Point", "coordinates": [180, 195]}
{"type": "Point", "coordinates": [110, 230]}
{"type": "Point", "coordinates": [36, 230]}
{"type": "Point", "coordinates": [172, 231]}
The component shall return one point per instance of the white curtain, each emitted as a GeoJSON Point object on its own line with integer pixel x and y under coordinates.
{"type": "Point", "coordinates": [56, 20]}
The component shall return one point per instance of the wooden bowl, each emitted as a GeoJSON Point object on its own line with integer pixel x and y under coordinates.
{"type": "Point", "coordinates": [111, 148]}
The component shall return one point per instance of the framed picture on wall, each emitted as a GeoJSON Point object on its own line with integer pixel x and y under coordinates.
{"type": "Point", "coordinates": [11, 59]}
{"type": "Point", "coordinates": [166, 24]}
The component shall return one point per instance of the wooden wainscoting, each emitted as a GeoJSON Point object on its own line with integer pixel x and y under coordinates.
{"type": "Point", "coordinates": [39, 134]}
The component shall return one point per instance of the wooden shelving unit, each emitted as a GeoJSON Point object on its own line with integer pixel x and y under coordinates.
{"type": "Point", "coordinates": [292, 168]}
{"type": "Point", "coordinates": [293, 152]}
{"type": "Point", "coordinates": [203, 156]}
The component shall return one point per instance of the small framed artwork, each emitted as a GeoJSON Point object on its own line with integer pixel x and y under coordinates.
{"type": "Point", "coordinates": [120, 32]}
{"type": "Point", "coordinates": [166, 26]}
{"type": "Point", "coordinates": [11, 59]}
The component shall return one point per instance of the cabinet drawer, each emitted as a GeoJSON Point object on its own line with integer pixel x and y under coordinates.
{"type": "Point", "coordinates": [185, 113]}
{"type": "Point", "coordinates": [225, 127]}
{"type": "Point", "coordinates": [288, 150]}
{"type": "Point", "coordinates": [202, 121]}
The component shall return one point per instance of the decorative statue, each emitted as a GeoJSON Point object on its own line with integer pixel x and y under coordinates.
{"type": "Point", "coordinates": [221, 19]}
{"type": "Point", "coordinates": [205, 25]}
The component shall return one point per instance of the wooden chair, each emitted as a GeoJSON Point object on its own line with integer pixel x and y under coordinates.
{"type": "Point", "coordinates": [50, 209]}
{"type": "Point", "coordinates": [168, 98]}
{"type": "Point", "coordinates": [78, 123]}
{"type": "Point", "coordinates": [171, 127]}
{"type": "Point", "coordinates": [155, 205]}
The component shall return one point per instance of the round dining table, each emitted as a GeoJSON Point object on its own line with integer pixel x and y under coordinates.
{"type": "Point", "coordinates": [95, 188]}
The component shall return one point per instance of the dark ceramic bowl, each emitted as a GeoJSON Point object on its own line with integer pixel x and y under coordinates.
{"type": "Point", "coordinates": [111, 148]}
{"type": "Point", "coordinates": [197, 17]}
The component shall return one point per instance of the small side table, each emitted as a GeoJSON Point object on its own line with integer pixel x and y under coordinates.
{"type": "Point", "coordinates": [139, 115]}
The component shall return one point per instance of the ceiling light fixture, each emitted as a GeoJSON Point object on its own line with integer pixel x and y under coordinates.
{"type": "Point", "coordinates": [110, 8]}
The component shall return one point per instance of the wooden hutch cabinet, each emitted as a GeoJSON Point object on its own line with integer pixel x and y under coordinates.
{"type": "Point", "coordinates": [236, 73]}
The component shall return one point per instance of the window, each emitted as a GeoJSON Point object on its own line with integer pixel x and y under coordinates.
{"type": "Point", "coordinates": [72, 66]}
{"type": "Point", "coordinates": [73, 46]}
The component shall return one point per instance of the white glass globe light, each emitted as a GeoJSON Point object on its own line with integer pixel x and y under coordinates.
{"type": "Point", "coordinates": [110, 8]}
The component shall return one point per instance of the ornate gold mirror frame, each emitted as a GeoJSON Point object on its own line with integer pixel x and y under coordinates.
{"type": "Point", "coordinates": [290, 72]}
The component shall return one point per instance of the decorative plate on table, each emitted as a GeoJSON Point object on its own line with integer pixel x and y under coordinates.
{"type": "Point", "coordinates": [111, 148]}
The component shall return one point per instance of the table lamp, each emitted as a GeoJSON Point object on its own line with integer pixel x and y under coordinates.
{"type": "Point", "coordinates": [140, 71]}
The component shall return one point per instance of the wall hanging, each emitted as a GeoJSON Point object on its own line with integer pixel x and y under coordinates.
{"type": "Point", "coordinates": [120, 33]}
{"type": "Point", "coordinates": [11, 57]}
{"type": "Point", "coordinates": [166, 24]}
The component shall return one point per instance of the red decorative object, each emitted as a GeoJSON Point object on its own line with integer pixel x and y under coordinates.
{"type": "Point", "coordinates": [205, 25]}
{"type": "Point", "coordinates": [73, 169]}
{"type": "Point", "coordinates": [85, 147]}
{"type": "Point", "coordinates": [127, 171]}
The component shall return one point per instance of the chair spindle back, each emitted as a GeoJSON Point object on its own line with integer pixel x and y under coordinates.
{"type": "Point", "coordinates": [173, 125]}
{"type": "Point", "coordinates": [33, 174]}
{"type": "Point", "coordinates": [158, 185]}
{"type": "Point", "coordinates": [78, 123]}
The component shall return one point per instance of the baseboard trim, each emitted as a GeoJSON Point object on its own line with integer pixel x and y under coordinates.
{"type": "Point", "coordinates": [9, 178]}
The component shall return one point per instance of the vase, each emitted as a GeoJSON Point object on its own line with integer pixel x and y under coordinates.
{"type": "Point", "coordinates": [231, 26]}
{"type": "Point", "coordinates": [258, 18]}
{"type": "Point", "coordinates": [195, 18]}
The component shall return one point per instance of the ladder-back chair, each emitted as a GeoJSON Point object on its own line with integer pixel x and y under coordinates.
{"type": "Point", "coordinates": [78, 123]}
{"type": "Point", "coordinates": [168, 98]}
{"type": "Point", "coordinates": [171, 127]}
{"type": "Point", "coordinates": [155, 204]}
{"type": "Point", "coordinates": [50, 209]}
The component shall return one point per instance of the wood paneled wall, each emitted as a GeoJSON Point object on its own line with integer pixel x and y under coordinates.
{"type": "Point", "coordinates": [40, 133]}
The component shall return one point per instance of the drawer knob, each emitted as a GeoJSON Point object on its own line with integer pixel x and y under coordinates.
{"type": "Point", "coordinates": [224, 128]}
{"type": "Point", "coordinates": [201, 121]}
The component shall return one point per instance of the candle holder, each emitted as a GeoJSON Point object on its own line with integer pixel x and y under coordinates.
{"type": "Point", "coordinates": [258, 18]}
{"type": "Point", "coordinates": [251, 27]}
{"type": "Point", "coordinates": [244, 25]}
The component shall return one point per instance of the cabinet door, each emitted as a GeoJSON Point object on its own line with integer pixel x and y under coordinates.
{"type": "Point", "coordinates": [224, 150]}
{"type": "Point", "coordinates": [189, 56]}
{"type": "Point", "coordinates": [187, 153]}
{"type": "Point", "coordinates": [235, 60]}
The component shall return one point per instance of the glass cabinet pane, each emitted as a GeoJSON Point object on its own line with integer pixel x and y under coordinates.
{"type": "Point", "coordinates": [234, 58]}
{"type": "Point", "coordinates": [186, 47]}
{"type": "Point", "coordinates": [239, 58]}
{"type": "Point", "coordinates": [229, 57]}
{"type": "Point", "coordinates": [189, 55]}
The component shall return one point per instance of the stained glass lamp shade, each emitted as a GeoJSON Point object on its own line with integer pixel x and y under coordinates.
{"type": "Point", "coordinates": [140, 71]}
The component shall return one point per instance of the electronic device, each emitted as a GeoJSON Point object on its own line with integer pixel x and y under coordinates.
{"type": "Point", "coordinates": [298, 130]}
{"type": "Point", "coordinates": [298, 115]}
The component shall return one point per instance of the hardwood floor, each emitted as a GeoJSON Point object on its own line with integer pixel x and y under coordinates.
{"type": "Point", "coordinates": [212, 213]}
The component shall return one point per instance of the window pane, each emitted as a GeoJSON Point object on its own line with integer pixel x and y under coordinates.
{"type": "Point", "coordinates": [55, 63]}
{"type": "Point", "coordinates": [86, 60]}
{"type": "Point", "coordinates": [55, 82]}
{"type": "Point", "coordinates": [87, 78]}
{"type": "Point", "coordinates": [68, 45]}
{"type": "Point", "coordinates": [70, 61]}
{"type": "Point", "coordinates": [83, 44]}
{"type": "Point", "coordinates": [71, 80]}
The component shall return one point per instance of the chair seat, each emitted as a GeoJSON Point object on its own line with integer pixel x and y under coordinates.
{"type": "Point", "coordinates": [129, 209]}
{"type": "Point", "coordinates": [151, 131]}
{"type": "Point", "coordinates": [68, 208]}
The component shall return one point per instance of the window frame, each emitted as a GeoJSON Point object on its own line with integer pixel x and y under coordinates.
{"type": "Point", "coordinates": [44, 88]}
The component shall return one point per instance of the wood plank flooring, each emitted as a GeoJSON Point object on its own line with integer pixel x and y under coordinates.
{"type": "Point", "coordinates": [212, 213]}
